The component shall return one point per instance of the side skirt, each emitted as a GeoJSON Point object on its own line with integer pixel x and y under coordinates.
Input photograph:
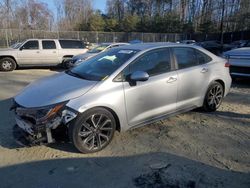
{"type": "Point", "coordinates": [155, 119]}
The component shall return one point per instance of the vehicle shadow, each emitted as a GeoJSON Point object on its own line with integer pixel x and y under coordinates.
{"type": "Point", "coordinates": [227, 114]}
{"type": "Point", "coordinates": [6, 124]}
{"type": "Point", "coordinates": [241, 83]}
{"type": "Point", "coordinates": [52, 68]}
{"type": "Point", "coordinates": [161, 170]}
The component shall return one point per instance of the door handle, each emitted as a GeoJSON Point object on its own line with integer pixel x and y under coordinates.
{"type": "Point", "coordinates": [54, 52]}
{"type": "Point", "coordinates": [37, 52]}
{"type": "Point", "coordinates": [171, 79]}
{"type": "Point", "coordinates": [204, 70]}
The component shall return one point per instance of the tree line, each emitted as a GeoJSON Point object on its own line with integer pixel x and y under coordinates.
{"type": "Point", "coordinates": [159, 16]}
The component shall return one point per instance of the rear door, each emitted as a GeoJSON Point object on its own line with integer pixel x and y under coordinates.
{"type": "Point", "coordinates": [30, 53]}
{"type": "Point", "coordinates": [156, 96]}
{"type": "Point", "coordinates": [193, 74]}
{"type": "Point", "coordinates": [49, 52]}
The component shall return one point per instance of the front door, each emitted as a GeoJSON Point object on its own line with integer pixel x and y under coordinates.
{"type": "Point", "coordinates": [30, 53]}
{"type": "Point", "coordinates": [156, 96]}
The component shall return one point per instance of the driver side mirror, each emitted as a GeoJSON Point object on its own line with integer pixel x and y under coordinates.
{"type": "Point", "coordinates": [139, 76]}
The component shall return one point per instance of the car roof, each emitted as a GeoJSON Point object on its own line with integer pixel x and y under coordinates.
{"type": "Point", "coordinates": [146, 46]}
{"type": "Point", "coordinates": [112, 43]}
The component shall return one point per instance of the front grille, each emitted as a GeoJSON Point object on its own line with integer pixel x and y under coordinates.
{"type": "Point", "coordinates": [236, 69]}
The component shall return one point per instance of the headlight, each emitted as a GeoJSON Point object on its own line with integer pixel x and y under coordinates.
{"type": "Point", "coordinates": [41, 115]}
{"type": "Point", "coordinates": [45, 114]}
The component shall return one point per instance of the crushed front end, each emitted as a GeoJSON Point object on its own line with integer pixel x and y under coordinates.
{"type": "Point", "coordinates": [36, 126]}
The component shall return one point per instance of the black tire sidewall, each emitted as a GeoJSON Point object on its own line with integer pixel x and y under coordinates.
{"type": "Point", "coordinates": [75, 126]}
{"type": "Point", "coordinates": [206, 107]}
{"type": "Point", "coordinates": [13, 64]}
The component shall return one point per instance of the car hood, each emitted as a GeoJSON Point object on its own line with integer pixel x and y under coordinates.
{"type": "Point", "coordinates": [53, 89]}
{"type": "Point", "coordinates": [6, 51]}
{"type": "Point", "coordinates": [84, 56]}
{"type": "Point", "coordinates": [239, 51]}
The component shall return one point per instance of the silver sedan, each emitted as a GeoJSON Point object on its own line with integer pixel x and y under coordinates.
{"type": "Point", "coordinates": [120, 89]}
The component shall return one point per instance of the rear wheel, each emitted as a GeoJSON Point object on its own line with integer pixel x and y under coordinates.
{"type": "Point", "coordinates": [93, 130]}
{"type": "Point", "coordinates": [7, 64]}
{"type": "Point", "coordinates": [213, 97]}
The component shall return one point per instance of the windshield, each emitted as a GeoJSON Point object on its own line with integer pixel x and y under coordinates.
{"type": "Point", "coordinates": [99, 48]}
{"type": "Point", "coordinates": [102, 65]}
{"type": "Point", "coordinates": [16, 45]}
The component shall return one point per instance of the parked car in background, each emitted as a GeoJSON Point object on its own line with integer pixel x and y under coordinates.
{"type": "Point", "coordinates": [239, 44]}
{"type": "Point", "coordinates": [120, 89]}
{"type": "Point", "coordinates": [239, 60]}
{"type": "Point", "coordinates": [213, 46]}
{"type": "Point", "coordinates": [187, 41]}
{"type": "Point", "coordinates": [77, 59]}
{"type": "Point", "coordinates": [40, 52]}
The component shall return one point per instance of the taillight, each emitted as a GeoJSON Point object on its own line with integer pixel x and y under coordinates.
{"type": "Point", "coordinates": [227, 64]}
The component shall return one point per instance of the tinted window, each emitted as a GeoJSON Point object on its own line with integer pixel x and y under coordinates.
{"type": "Point", "coordinates": [202, 58]}
{"type": "Point", "coordinates": [71, 44]}
{"type": "Point", "coordinates": [186, 57]}
{"type": "Point", "coordinates": [153, 62]}
{"type": "Point", "coordinates": [32, 45]}
{"type": "Point", "coordinates": [48, 44]}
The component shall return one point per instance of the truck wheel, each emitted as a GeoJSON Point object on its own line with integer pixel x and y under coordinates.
{"type": "Point", "coordinates": [7, 64]}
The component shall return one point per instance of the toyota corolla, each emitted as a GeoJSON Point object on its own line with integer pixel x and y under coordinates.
{"type": "Point", "coordinates": [117, 90]}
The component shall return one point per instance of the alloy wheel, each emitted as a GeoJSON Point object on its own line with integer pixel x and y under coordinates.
{"type": "Point", "coordinates": [215, 96]}
{"type": "Point", "coordinates": [96, 131]}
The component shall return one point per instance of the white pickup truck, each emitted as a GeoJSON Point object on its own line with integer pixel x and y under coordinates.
{"type": "Point", "coordinates": [40, 52]}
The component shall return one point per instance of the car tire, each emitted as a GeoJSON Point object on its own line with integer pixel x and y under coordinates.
{"type": "Point", "coordinates": [66, 63]}
{"type": "Point", "coordinates": [92, 130]}
{"type": "Point", "coordinates": [213, 98]}
{"type": "Point", "coordinates": [7, 64]}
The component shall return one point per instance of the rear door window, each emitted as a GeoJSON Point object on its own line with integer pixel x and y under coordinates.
{"type": "Point", "coordinates": [71, 44]}
{"type": "Point", "coordinates": [186, 57]}
{"type": "Point", "coordinates": [48, 44]}
{"type": "Point", "coordinates": [202, 58]}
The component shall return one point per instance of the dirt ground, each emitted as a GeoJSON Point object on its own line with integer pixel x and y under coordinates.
{"type": "Point", "coordinates": [186, 151]}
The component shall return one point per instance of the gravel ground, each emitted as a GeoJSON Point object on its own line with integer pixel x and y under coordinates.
{"type": "Point", "coordinates": [189, 150]}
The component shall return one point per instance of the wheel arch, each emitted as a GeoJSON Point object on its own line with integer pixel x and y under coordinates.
{"type": "Point", "coordinates": [67, 56]}
{"type": "Point", "coordinates": [9, 56]}
{"type": "Point", "coordinates": [117, 120]}
{"type": "Point", "coordinates": [221, 82]}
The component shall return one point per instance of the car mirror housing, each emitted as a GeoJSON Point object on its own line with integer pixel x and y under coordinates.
{"type": "Point", "coordinates": [139, 76]}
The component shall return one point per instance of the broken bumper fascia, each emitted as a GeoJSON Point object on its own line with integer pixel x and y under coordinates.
{"type": "Point", "coordinates": [30, 130]}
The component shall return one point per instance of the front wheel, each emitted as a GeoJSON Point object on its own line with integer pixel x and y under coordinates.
{"type": "Point", "coordinates": [93, 130]}
{"type": "Point", "coordinates": [7, 64]}
{"type": "Point", "coordinates": [213, 97]}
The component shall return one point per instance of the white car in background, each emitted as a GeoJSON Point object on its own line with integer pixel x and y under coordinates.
{"type": "Point", "coordinates": [40, 52]}
{"type": "Point", "coordinates": [239, 60]}
{"type": "Point", "coordinates": [77, 59]}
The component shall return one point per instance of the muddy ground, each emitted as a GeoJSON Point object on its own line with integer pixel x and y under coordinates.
{"type": "Point", "coordinates": [189, 150]}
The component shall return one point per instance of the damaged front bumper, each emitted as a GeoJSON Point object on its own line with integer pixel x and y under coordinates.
{"type": "Point", "coordinates": [32, 128]}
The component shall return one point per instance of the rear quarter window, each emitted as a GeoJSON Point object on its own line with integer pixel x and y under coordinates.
{"type": "Point", "coordinates": [71, 44]}
{"type": "Point", "coordinates": [202, 58]}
